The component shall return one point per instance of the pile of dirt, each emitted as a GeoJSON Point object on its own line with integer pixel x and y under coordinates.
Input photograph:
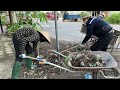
{"type": "Point", "coordinates": [86, 59]}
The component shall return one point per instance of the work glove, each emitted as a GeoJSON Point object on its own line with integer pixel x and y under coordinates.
{"type": "Point", "coordinates": [22, 55]}
{"type": "Point", "coordinates": [39, 58]}
{"type": "Point", "coordinates": [82, 46]}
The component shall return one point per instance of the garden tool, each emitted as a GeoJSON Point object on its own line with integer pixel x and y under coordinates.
{"type": "Point", "coordinates": [16, 69]}
{"type": "Point", "coordinates": [44, 61]}
{"type": "Point", "coordinates": [38, 50]}
{"type": "Point", "coordinates": [29, 63]}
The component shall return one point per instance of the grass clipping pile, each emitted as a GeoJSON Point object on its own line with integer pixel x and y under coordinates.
{"type": "Point", "coordinates": [86, 59]}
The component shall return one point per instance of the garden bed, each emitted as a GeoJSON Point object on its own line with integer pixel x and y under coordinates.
{"type": "Point", "coordinates": [51, 72]}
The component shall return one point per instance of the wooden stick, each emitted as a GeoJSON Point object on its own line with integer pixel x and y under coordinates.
{"type": "Point", "coordinates": [69, 48]}
{"type": "Point", "coordinates": [45, 62]}
{"type": "Point", "coordinates": [34, 58]}
{"type": "Point", "coordinates": [38, 47]}
{"type": "Point", "coordinates": [31, 57]}
{"type": "Point", "coordinates": [38, 50]}
{"type": "Point", "coordinates": [41, 62]}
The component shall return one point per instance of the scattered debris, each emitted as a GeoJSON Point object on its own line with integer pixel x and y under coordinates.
{"type": "Point", "coordinates": [86, 59]}
{"type": "Point", "coordinates": [80, 58]}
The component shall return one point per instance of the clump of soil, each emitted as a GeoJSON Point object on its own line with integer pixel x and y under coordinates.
{"type": "Point", "coordinates": [86, 59]}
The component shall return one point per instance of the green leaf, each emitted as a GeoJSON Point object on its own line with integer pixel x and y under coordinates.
{"type": "Point", "coordinates": [35, 14]}
{"type": "Point", "coordinates": [113, 19]}
{"type": "Point", "coordinates": [33, 25]}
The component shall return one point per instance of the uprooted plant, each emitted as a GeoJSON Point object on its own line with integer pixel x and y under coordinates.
{"type": "Point", "coordinates": [86, 59]}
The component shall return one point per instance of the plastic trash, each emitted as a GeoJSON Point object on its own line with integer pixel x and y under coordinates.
{"type": "Point", "coordinates": [88, 76]}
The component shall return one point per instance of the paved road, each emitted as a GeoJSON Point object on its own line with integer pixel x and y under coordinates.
{"type": "Point", "coordinates": [69, 31]}
{"type": "Point", "coordinates": [6, 57]}
{"type": "Point", "coordinates": [66, 30]}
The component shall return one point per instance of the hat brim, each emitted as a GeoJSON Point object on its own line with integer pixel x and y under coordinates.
{"type": "Point", "coordinates": [45, 34]}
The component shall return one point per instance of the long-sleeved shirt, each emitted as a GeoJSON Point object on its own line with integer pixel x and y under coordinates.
{"type": "Point", "coordinates": [97, 27]}
{"type": "Point", "coordinates": [26, 35]}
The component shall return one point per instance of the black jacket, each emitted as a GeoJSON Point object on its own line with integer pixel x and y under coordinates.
{"type": "Point", "coordinates": [26, 35]}
{"type": "Point", "coordinates": [97, 27]}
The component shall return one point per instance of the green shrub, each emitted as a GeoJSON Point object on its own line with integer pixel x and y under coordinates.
{"type": "Point", "coordinates": [3, 20]}
{"type": "Point", "coordinates": [15, 26]}
{"type": "Point", "coordinates": [28, 22]}
{"type": "Point", "coordinates": [113, 19]}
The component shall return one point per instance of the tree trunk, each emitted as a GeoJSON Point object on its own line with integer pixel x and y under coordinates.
{"type": "Point", "coordinates": [1, 25]}
{"type": "Point", "coordinates": [10, 16]}
{"type": "Point", "coordinates": [14, 18]}
{"type": "Point", "coordinates": [7, 18]}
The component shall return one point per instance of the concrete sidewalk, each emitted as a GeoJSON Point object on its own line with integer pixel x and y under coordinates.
{"type": "Point", "coordinates": [6, 57]}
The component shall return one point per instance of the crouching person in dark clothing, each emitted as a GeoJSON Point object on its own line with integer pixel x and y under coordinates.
{"type": "Point", "coordinates": [99, 28]}
{"type": "Point", "coordinates": [21, 40]}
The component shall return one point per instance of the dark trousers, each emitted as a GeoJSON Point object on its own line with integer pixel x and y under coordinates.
{"type": "Point", "coordinates": [102, 43]}
{"type": "Point", "coordinates": [16, 43]}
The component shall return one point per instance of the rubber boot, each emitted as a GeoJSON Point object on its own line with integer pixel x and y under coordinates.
{"type": "Point", "coordinates": [16, 70]}
{"type": "Point", "coordinates": [28, 63]}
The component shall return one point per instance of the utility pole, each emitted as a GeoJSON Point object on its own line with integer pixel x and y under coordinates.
{"type": "Point", "coordinates": [56, 31]}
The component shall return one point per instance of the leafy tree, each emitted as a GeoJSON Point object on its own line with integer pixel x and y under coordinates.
{"type": "Point", "coordinates": [25, 19]}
